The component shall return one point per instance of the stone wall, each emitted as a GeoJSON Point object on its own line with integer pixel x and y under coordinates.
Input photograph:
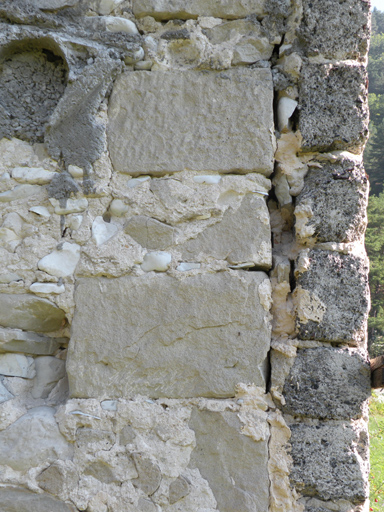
{"type": "Point", "coordinates": [184, 286]}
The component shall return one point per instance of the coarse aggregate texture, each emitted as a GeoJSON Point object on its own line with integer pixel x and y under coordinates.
{"type": "Point", "coordinates": [327, 460]}
{"type": "Point", "coordinates": [162, 122]}
{"type": "Point", "coordinates": [335, 31]}
{"type": "Point", "coordinates": [31, 85]}
{"type": "Point", "coordinates": [189, 340]}
{"type": "Point", "coordinates": [333, 298]}
{"type": "Point", "coordinates": [14, 499]}
{"type": "Point", "coordinates": [327, 383]}
{"type": "Point", "coordinates": [332, 205]}
{"type": "Point", "coordinates": [333, 107]}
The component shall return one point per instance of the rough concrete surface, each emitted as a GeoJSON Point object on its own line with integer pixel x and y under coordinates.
{"type": "Point", "coordinates": [161, 122]}
{"type": "Point", "coordinates": [189, 340]}
{"type": "Point", "coordinates": [327, 383]}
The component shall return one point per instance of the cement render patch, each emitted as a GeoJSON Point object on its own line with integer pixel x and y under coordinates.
{"type": "Point", "coordinates": [166, 337]}
{"type": "Point", "coordinates": [165, 122]}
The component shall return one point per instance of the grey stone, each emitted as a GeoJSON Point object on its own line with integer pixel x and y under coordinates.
{"type": "Point", "coordinates": [58, 477]}
{"type": "Point", "coordinates": [51, 5]}
{"type": "Point", "coordinates": [146, 505]}
{"type": "Point", "coordinates": [149, 478]}
{"type": "Point", "coordinates": [19, 192]}
{"type": "Point", "coordinates": [92, 440]}
{"type": "Point", "coordinates": [30, 313]}
{"type": "Point", "coordinates": [33, 439]}
{"type": "Point", "coordinates": [328, 461]}
{"type": "Point", "coordinates": [234, 465]}
{"type": "Point", "coordinates": [161, 122]}
{"type": "Point", "coordinates": [15, 499]}
{"type": "Point", "coordinates": [335, 30]}
{"type": "Point", "coordinates": [127, 435]}
{"type": "Point", "coordinates": [149, 233]}
{"type": "Point", "coordinates": [49, 370]}
{"type": "Point", "coordinates": [339, 283]}
{"type": "Point", "coordinates": [327, 383]}
{"type": "Point", "coordinates": [73, 132]}
{"type": "Point", "coordinates": [197, 336]}
{"type": "Point", "coordinates": [227, 241]}
{"type": "Point", "coordinates": [101, 472]}
{"type": "Point", "coordinates": [337, 195]}
{"type": "Point", "coordinates": [179, 9]}
{"type": "Point", "coordinates": [17, 365]}
{"type": "Point", "coordinates": [333, 107]}
{"type": "Point", "coordinates": [178, 489]}
{"type": "Point", "coordinates": [5, 395]}
{"type": "Point", "coordinates": [15, 340]}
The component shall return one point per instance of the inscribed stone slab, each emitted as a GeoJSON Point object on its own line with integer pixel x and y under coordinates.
{"type": "Point", "coordinates": [165, 121]}
{"type": "Point", "coordinates": [160, 336]}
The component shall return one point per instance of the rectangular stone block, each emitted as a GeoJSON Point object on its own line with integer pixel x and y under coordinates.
{"type": "Point", "coordinates": [332, 298]}
{"type": "Point", "coordinates": [164, 122]}
{"type": "Point", "coordinates": [333, 107]}
{"type": "Point", "coordinates": [234, 465]}
{"type": "Point", "coordinates": [159, 336]}
{"type": "Point", "coordinates": [330, 461]}
{"type": "Point", "coordinates": [328, 383]}
{"type": "Point", "coordinates": [165, 9]}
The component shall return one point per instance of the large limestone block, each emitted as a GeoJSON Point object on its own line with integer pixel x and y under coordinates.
{"type": "Point", "coordinates": [332, 298]}
{"type": "Point", "coordinates": [164, 9]}
{"type": "Point", "coordinates": [14, 499]}
{"type": "Point", "coordinates": [169, 121]}
{"type": "Point", "coordinates": [234, 465]}
{"type": "Point", "coordinates": [243, 236]}
{"type": "Point", "coordinates": [333, 107]}
{"type": "Point", "coordinates": [330, 461]}
{"type": "Point", "coordinates": [327, 383]}
{"type": "Point", "coordinates": [32, 440]}
{"type": "Point", "coordinates": [30, 313]}
{"type": "Point", "coordinates": [334, 30]}
{"type": "Point", "coordinates": [320, 212]}
{"type": "Point", "coordinates": [161, 336]}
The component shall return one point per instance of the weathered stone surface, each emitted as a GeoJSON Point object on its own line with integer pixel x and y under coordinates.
{"type": "Point", "coordinates": [17, 365]}
{"type": "Point", "coordinates": [333, 107]}
{"type": "Point", "coordinates": [5, 395]}
{"type": "Point", "coordinates": [32, 440]}
{"type": "Point", "coordinates": [101, 472]}
{"type": "Point", "coordinates": [49, 370]}
{"type": "Point", "coordinates": [330, 461]}
{"type": "Point", "coordinates": [327, 383]}
{"type": "Point", "coordinates": [14, 340]}
{"type": "Point", "coordinates": [61, 262]}
{"type": "Point", "coordinates": [161, 122]}
{"type": "Point", "coordinates": [58, 477]}
{"type": "Point", "coordinates": [332, 298]}
{"type": "Point", "coordinates": [234, 465]}
{"type": "Point", "coordinates": [30, 313]}
{"type": "Point", "coordinates": [15, 499]}
{"type": "Point", "coordinates": [196, 336]}
{"type": "Point", "coordinates": [335, 31]}
{"type": "Point", "coordinates": [178, 489]}
{"type": "Point", "coordinates": [163, 9]}
{"type": "Point", "coordinates": [149, 478]}
{"type": "Point", "coordinates": [332, 205]}
{"type": "Point", "coordinates": [150, 233]}
{"type": "Point", "coordinates": [225, 241]}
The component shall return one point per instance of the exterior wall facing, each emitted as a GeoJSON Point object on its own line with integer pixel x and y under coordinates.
{"type": "Point", "coordinates": [183, 279]}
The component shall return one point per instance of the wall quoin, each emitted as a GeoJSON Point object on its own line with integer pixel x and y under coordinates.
{"type": "Point", "coordinates": [184, 286]}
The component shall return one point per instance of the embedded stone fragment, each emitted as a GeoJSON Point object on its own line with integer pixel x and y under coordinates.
{"type": "Point", "coordinates": [320, 213]}
{"type": "Point", "coordinates": [61, 262]}
{"type": "Point", "coordinates": [335, 30]}
{"type": "Point", "coordinates": [158, 260]}
{"type": "Point", "coordinates": [47, 288]}
{"type": "Point", "coordinates": [17, 365]}
{"type": "Point", "coordinates": [178, 489]}
{"type": "Point", "coordinates": [150, 233]}
{"type": "Point", "coordinates": [19, 192]}
{"type": "Point", "coordinates": [197, 336]}
{"type": "Point", "coordinates": [32, 175]}
{"type": "Point", "coordinates": [156, 122]}
{"type": "Point", "coordinates": [58, 477]}
{"type": "Point", "coordinates": [5, 395]}
{"type": "Point", "coordinates": [33, 439]}
{"type": "Point", "coordinates": [234, 465]}
{"type": "Point", "coordinates": [332, 298]}
{"type": "Point", "coordinates": [15, 340]}
{"type": "Point", "coordinates": [30, 313]}
{"type": "Point", "coordinates": [103, 231]}
{"type": "Point", "coordinates": [149, 478]}
{"type": "Point", "coordinates": [164, 10]}
{"type": "Point", "coordinates": [327, 383]}
{"type": "Point", "coordinates": [330, 461]}
{"type": "Point", "coordinates": [15, 499]}
{"type": "Point", "coordinates": [227, 241]}
{"type": "Point", "coordinates": [101, 472]}
{"type": "Point", "coordinates": [49, 370]}
{"type": "Point", "coordinates": [333, 107]}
